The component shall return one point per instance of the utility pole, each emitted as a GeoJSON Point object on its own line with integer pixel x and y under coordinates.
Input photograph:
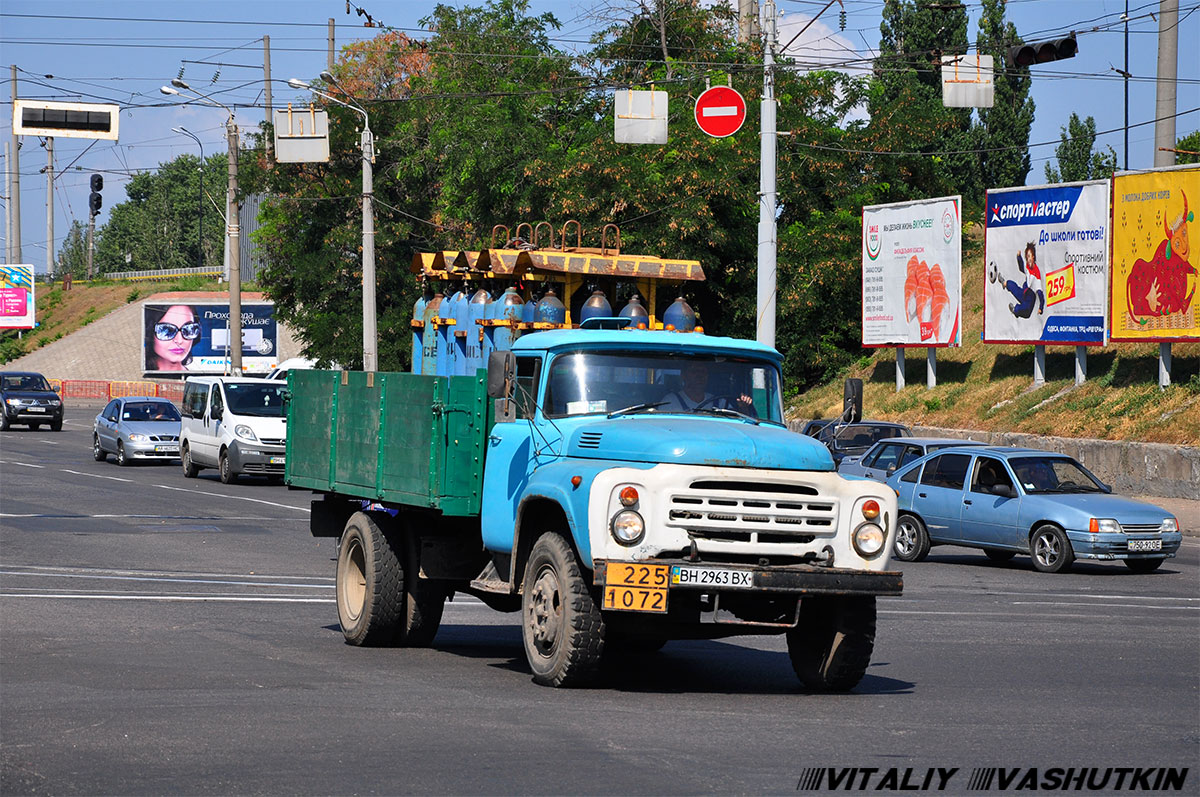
{"type": "Point", "coordinates": [14, 195]}
{"type": "Point", "coordinates": [370, 336]}
{"type": "Point", "coordinates": [1126, 76]}
{"type": "Point", "coordinates": [270, 115]}
{"type": "Point", "coordinates": [235, 264]}
{"type": "Point", "coordinates": [50, 208]}
{"type": "Point", "coordinates": [329, 58]}
{"type": "Point", "coordinates": [1164, 127]}
{"type": "Point", "coordinates": [7, 206]}
{"type": "Point", "coordinates": [747, 21]}
{"type": "Point", "coordinates": [765, 326]}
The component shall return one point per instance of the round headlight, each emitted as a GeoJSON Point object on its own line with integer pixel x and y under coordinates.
{"type": "Point", "coordinates": [869, 539]}
{"type": "Point", "coordinates": [628, 528]}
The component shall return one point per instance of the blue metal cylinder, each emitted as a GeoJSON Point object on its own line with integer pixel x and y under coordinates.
{"type": "Point", "coordinates": [680, 316]}
{"type": "Point", "coordinates": [461, 331]}
{"type": "Point", "coordinates": [550, 310]}
{"type": "Point", "coordinates": [509, 307]}
{"type": "Point", "coordinates": [429, 345]}
{"type": "Point", "coordinates": [476, 311]}
{"type": "Point", "coordinates": [634, 310]}
{"type": "Point", "coordinates": [446, 347]}
{"type": "Point", "coordinates": [596, 306]}
{"type": "Point", "coordinates": [418, 334]}
{"type": "Point", "coordinates": [527, 311]}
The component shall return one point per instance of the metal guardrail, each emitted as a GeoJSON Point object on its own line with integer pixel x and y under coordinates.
{"type": "Point", "coordinates": [165, 273]}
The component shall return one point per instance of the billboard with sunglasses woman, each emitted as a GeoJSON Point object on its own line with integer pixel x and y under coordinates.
{"type": "Point", "coordinates": [193, 338]}
{"type": "Point", "coordinates": [172, 331]}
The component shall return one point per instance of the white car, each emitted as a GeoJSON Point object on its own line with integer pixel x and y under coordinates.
{"type": "Point", "coordinates": [234, 424]}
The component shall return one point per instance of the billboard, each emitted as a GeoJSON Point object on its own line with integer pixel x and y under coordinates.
{"type": "Point", "coordinates": [193, 337]}
{"type": "Point", "coordinates": [1154, 271]}
{"type": "Point", "coordinates": [16, 297]}
{"type": "Point", "coordinates": [912, 273]}
{"type": "Point", "coordinates": [1046, 256]}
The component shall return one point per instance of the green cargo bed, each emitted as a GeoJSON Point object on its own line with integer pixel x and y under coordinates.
{"type": "Point", "coordinates": [396, 437]}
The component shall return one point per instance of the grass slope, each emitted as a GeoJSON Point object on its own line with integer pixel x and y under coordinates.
{"type": "Point", "coordinates": [990, 387]}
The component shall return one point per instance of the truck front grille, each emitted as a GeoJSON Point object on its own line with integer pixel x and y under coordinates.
{"type": "Point", "coordinates": [752, 512]}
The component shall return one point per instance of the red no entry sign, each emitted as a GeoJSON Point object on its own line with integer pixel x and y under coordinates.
{"type": "Point", "coordinates": [720, 111]}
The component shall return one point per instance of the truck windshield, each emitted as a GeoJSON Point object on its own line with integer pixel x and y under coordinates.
{"type": "Point", "coordinates": [594, 383]}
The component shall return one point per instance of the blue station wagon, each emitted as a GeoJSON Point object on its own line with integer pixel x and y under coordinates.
{"type": "Point", "coordinates": [1019, 500]}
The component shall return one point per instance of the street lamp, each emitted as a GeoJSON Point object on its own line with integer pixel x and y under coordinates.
{"type": "Point", "coordinates": [233, 231]}
{"type": "Point", "coordinates": [184, 131]}
{"type": "Point", "coordinates": [370, 336]}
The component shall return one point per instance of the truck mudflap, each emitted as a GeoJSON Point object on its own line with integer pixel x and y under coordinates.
{"type": "Point", "coordinates": [668, 575]}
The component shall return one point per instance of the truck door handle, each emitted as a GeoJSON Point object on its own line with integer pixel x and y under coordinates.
{"type": "Point", "coordinates": [922, 495]}
{"type": "Point", "coordinates": [967, 501]}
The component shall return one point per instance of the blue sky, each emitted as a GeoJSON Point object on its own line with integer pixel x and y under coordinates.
{"type": "Point", "coordinates": [122, 50]}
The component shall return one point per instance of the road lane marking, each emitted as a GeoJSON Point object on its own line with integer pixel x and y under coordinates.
{"type": "Point", "coordinates": [235, 497]}
{"type": "Point", "coordinates": [141, 517]}
{"type": "Point", "coordinates": [165, 598]}
{"type": "Point", "coordinates": [49, 570]}
{"type": "Point", "coordinates": [1156, 607]}
{"type": "Point", "coordinates": [96, 475]}
{"type": "Point", "coordinates": [172, 580]}
{"type": "Point", "coordinates": [22, 464]}
{"type": "Point", "coordinates": [48, 442]}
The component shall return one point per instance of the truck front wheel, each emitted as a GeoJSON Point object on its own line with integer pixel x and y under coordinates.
{"type": "Point", "coordinates": [831, 646]}
{"type": "Point", "coordinates": [562, 627]}
{"type": "Point", "coordinates": [369, 583]}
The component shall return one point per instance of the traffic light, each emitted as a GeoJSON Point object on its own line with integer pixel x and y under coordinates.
{"type": "Point", "coordinates": [1043, 52]}
{"type": "Point", "coordinates": [94, 200]}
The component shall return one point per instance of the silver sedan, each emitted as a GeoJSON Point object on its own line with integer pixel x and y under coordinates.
{"type": "Point", "coordinates": [136, 427]}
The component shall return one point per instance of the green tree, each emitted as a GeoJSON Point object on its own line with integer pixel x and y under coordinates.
{"type": "Point", "coordinates": [72, 252]}
{"type": "Point", "coordinates": [1003, 129]}
{"type": "Point", "coordinates": [158, 226]}
{"type": "Point", "coordinates": [906, 107]}
{"type": "Point", "coordinates": [1190, 143]}
{"type": "Point", "coordinates": [1076, 156]}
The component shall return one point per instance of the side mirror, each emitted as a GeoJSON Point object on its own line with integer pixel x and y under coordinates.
{"type": "Point", "coordinates": [852, 401]}
{"type": "Point", "coordinates": [891, 469]}
{"type": "Point", "coordinates": [502, 370]}
{"type": "Point", "coordinates": [1004, 490]}
{"type": "Point", "coordinates": [216, 413]}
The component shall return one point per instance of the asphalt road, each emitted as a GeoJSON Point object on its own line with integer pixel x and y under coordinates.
{"type": "Point", "coordinates": [161, 634]}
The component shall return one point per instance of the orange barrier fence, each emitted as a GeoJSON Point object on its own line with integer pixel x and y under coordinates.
{"type": "Point", "coordinates": [103, 390]}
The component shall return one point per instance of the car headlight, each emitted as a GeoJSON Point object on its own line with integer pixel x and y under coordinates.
{"type": "Point", "coordinates": [1104, 525]}
{"type": "Point", "coordinates": [869, 539]}
{"type": "Point", "coordinates": [627, 527]}
{"type": "Point", "coordinates": [138, 438]}
{"type": "Point", "coordinates": [55, 402]}
{"type": "Point", "coordinates": [15, 402]}
{"type": "Point", "coordinates": [242, 430]}
{"type": "Point", "coordinates": [1169, 525]}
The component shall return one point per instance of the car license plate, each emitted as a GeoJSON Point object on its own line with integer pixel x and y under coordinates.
{"type": "Point", "coordinates": [277, 460]}
{"type": "Point", "coordinates": [1145, 545]}
{"type": "Point", "coordinates": [166, 448]}
{"type": "Point", "coordinates": [36, 409]}
{"type": "Point", "coordinates": [688, 576]}
{"type": "Point", "coordinates": [632, 587]}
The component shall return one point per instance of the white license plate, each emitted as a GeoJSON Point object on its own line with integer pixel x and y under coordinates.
{"type": "Point", "coordinates": [166, 448]}
{"type": "Point", "coordinates": [1145, 545]}
{"type": "Point", "coordinates": [689, 576]}
{"type": "Point", "coordinates": [36, 409]}
{"type": "Point", "coordinates": [277, 460]}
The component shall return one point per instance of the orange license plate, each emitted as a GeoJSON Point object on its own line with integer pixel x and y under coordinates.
{"type": "Point", "coordinates": [630, 587]}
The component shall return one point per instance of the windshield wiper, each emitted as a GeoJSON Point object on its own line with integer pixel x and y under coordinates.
{"type": "Point", "coordinates": [636, 408]}
{"type": "Point", "coordinates": [728, 413]}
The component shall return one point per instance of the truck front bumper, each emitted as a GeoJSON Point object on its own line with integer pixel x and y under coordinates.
{"type": "Point", "coordinates": [787, 579]}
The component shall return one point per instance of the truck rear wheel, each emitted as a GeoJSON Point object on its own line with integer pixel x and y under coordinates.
{"type": "Point", "coordinates": [369, 583]}
{"type": "Point", "coordinates": [424, 601]}
{"type": "Point", "coordinates": [562, 627]}
{"type": "Point", "coordinates": [831, 646]}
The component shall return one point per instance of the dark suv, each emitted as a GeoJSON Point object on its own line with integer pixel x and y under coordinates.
{"type": "Point", "coordinates": [26, 397]}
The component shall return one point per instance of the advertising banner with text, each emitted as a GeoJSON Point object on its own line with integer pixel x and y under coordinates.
{"type": "Point", "coordinates": [912, 273]}
{"type": "Point", "coordinates": [1046, 258]}
{"type": "Point", "coordinates": [1154, 270]}
{"type": "Point", "coordinates": [16, 297]}
{"type": "Point", "coordinates": [194, 338]}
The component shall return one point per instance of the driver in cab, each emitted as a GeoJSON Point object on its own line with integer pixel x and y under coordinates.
{"type": "Point", "coordinates": [694, 394]}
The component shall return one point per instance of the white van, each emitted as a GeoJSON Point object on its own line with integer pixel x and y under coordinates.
{"type": "Point", "coordinates": [234, 424]}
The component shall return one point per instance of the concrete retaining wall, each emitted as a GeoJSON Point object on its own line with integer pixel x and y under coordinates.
{"type": "Point", "coordinates": [1131, 468]}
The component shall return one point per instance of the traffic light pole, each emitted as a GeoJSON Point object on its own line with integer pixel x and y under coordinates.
{"type": "Point", "coordinates": [14, 168]}
{"type": "Point", "coordinates": [50, 208]}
